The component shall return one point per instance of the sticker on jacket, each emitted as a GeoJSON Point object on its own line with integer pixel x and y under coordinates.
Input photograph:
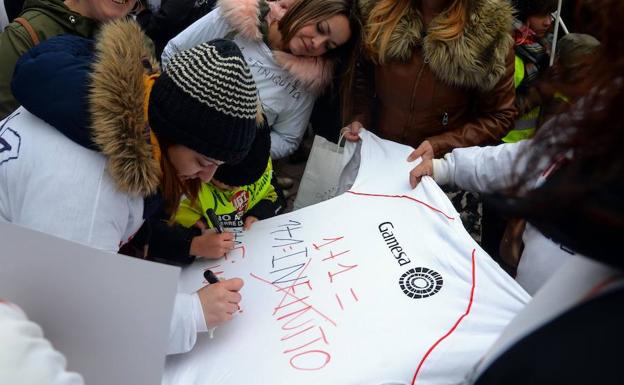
{"type": "Point", "coordinates": [10, 142]}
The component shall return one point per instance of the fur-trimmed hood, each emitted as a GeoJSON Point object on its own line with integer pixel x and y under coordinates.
{"type": "Point", "coordinates": [248, 17]}
{"type": "Point", "coordinates": [98, 100]}
{"type": "Point", "coordinates": [116, 103]}
{"type": "Point", "coordinates": [476, 59]}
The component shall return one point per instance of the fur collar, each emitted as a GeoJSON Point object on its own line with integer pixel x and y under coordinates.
{"type": "Point", "coordinates": [474, 60]}
{"type": "Point", "coordinates": [314, 73]}
{"type": "Point", "coordinates": [116, 101]}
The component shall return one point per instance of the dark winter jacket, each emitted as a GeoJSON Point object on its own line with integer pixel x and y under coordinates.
{"type": "Point", "coordinates": [581, 346]}
{"type": "Point", "coordinates": [13, 8]}
{"type": "Point", "coordinates": [48, 18]}
{"type": "Point", "coordinates": [52, 82]}
{"type": "Point", "coordinates": [171, 18]}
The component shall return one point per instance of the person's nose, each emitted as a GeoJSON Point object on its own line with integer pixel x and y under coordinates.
{"type": "Point", "coordinates": [548, 22]}
{"type": "Point", "coordinates": [319, 43]}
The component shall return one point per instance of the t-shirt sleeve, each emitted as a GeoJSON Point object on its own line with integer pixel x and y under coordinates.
{"type": "Point", "coordinates": [26, 356]}
{"type": "Point", "coordinates": [287, 131]}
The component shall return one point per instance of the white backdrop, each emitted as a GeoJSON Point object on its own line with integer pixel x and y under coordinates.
{"type": "Point", "coordinates": [379, 285]}
{"type": "Point", "coordinates": [107, 313]}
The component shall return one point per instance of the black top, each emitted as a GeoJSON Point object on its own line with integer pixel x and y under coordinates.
{"type": "Point", "coordinates": [582, 346]}
{"type": "Point", "coordinates": [171, 18]}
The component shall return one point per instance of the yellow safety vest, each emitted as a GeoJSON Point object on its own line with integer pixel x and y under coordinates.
{"type": "Point", "coordinates": [526, 124]}
{"type": "Point", "coordinates": [229, 205]}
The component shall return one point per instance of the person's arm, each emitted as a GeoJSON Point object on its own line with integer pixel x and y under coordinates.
{"type": "Point", "coordinates": [496, 114]}
{"type": "Point", "coordinates": [26, 356]}
{"type": "Point", "coordinates": [363, 101]}
{"type": "Point", "coordinates": [363, 89]}
{"type": "Point", "coordinates": [14, 41]}
{"type": "Point", "coordinates": [287, 131]}
{"type": "Point", "coordinates": [185, 323]}
{"type": "Point", "coordinates": [171, 243]}
{"type": "Point", "coordinates": [209, 307]}
{"type": "Point", "coordinates": [212, 26]}
{"type": "Point", "coordinates": [481, 169]}
{"type": "Point", "coordinates": [197, 243]}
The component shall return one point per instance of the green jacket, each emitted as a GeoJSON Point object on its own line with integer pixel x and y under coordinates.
{"type": "Point", "coordinates": [48, 18]}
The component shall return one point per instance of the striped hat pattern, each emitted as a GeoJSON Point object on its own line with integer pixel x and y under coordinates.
{"type": "Point", "coordinates": [221, 82]}
{"type": "Point", "coordinates": [207, 100]}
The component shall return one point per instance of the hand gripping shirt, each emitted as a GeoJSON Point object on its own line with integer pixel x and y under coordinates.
{"type": "Point", "coordinates": [380, 285]}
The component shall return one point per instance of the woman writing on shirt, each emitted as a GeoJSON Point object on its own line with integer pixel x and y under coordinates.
{"type": "Point", "coordinates": [151, 133]}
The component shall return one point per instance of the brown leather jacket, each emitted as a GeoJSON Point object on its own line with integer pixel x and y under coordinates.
{"type": "Point", "coordinates": [462, 95]}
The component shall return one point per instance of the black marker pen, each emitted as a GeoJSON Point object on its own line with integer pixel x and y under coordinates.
{"type": "Point", "coordinates": [210, 277]}
{"type": "Point", "coordinates": [215, 220]}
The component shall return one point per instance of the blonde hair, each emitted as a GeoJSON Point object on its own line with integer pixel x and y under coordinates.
{"type": "Point", "coordinates": [383, 19]}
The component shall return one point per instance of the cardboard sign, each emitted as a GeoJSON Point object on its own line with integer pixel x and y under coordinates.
{"type": "Point", "coordinates": [380, 285]}
{"type": "Point", "coordinates": [108, 314]}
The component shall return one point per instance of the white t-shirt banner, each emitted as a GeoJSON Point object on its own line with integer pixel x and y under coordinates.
{"type": "Point", "coordinates": [380, 285]}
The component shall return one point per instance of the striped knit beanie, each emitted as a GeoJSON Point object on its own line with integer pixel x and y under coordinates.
{"type": "Point", "coordinates": [207, 100]}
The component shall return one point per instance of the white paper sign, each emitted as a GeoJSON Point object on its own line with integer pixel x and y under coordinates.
{"type": "Point", "coordinates": [381, 285]}
{"type": "Point", "coordinates": [109, 314]}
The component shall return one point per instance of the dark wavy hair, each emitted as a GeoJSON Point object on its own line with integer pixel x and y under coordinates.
{"type": "Point", "coordinates": [582, 204]}
{"type": "Point", "coordinates": [528, 8]}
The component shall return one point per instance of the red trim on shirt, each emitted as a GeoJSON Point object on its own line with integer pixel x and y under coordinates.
{"type": "Point", "coordinates": [602, 286]}
{"type": "Point", "coordinates": [402, 197]}
{"type": "Point", "coordinates": [559, 161]}
{"type": "Point", "coordinates": [422, 361]}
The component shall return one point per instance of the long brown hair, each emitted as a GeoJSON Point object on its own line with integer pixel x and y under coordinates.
{"type": "Point", "coordinates": [304, 12]}
{"type": "Point", "coordinates": [344, 58]}
{"type": "Point", "coordinates": [172, 188]}
{"type": "Point", "coordinates": [385, 15]}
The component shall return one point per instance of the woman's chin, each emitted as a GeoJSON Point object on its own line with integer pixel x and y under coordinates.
{"type": "Point", "coordinates": [293, 50]}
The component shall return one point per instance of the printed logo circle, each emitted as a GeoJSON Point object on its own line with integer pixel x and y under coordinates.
{"type": "Point", "coordinates": [421, 282]}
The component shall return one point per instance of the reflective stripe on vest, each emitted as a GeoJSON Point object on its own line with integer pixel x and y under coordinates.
{"type": "Point", "coordinates": [525, 125]}
{"type": "Point", "coordinates": [518, 71]}
{"type": "Point", "coordinates": [561, 97]}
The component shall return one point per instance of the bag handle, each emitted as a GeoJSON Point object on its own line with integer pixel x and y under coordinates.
{"type": "Point", "coordinates": [342, 138]}
{"type": "Point", "coordinates": [28, 27]}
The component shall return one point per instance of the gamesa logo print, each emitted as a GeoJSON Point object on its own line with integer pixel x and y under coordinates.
{"type": "Point", "coordinates": [420, 282]}
{"type": "Point", "coordinates": [10, 142]}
